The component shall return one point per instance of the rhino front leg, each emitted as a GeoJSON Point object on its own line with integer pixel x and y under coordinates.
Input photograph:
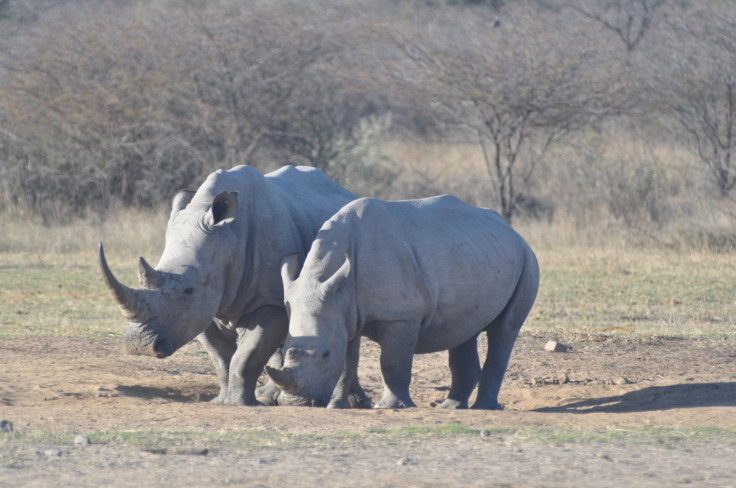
{"type": "Point", "coordinates": [398, 341]}
{"type": "Point", "coordinates": [342, 396]}
{"type": "Point", "coordinates": [259, 335]}
{"type": "Point", "coordinates": [221, 346]}
{"type": "Point", "coordinates": [268, 394]}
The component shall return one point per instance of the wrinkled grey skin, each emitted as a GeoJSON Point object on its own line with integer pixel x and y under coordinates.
{"type": "Point", "coordinates": [218, 278]}
{"type": "Point", "coordinates": [417, 277]}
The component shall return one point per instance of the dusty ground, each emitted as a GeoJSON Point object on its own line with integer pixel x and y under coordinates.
{"type": "Point", "coordinates": [78, 385]}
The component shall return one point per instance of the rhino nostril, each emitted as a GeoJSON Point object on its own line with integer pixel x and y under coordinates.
{"type": "Point", "coordinates": [158, 347]}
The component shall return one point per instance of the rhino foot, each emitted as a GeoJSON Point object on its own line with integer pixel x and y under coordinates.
{"type": "Point", "coordinates": [451, 404]}
{"type": "Point", "coordinates": [242, 403]}
{"type": "Point", "coordinates": [394, 403]}
{"type": "Point", "coordinates": [339, 404]}
{"type": "Point", "coordinates": [219, 398]}
{"type": "Point", "coordinates": [493, 406]}
{"type": "Point", "coordinates": [354, 400]}
{"type": "Point", "coordinates": [360, 400]}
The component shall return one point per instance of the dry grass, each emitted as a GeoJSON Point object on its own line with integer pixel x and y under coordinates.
{"type": "Point", "coordinates": [613, 186]}
{"type": "Point", "coordinates": [49, 277]}
{"type": "Point", "coordinates": [50, 282]}
{"type": "Point", "coordinates": [24, 239]}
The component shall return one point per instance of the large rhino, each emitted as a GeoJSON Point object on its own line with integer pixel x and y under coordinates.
{"type": "Point", "coordinates": [416, 276]}
{"type": "Point", "coordinates": [218, 278]}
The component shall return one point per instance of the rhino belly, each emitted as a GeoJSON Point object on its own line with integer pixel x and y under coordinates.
{"type": "Point", "coordinates": [449, 331]}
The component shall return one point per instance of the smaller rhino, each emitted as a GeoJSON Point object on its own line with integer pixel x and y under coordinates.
{"type": "Point", "coordinates": [416, 276]}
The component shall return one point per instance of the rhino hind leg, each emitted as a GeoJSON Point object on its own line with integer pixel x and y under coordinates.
{"type": "Point", "coordinates": [502, 333]}
{"type": "Point", "coordinates": [465, 369]}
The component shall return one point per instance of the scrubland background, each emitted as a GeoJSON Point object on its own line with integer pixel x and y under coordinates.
{"type": "Point", "coordinates": [603, 120]}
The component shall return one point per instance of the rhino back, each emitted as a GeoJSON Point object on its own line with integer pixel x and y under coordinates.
{"type": "Point", "coordinates": [278, 214]}
{"type": "Point", "coordinates": [310, 195]}
{"type": "Point", "coordinates": [452, 265]}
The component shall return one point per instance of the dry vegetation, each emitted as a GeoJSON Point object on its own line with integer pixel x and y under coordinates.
{"type": "Point", "coordinates": [605, 116]}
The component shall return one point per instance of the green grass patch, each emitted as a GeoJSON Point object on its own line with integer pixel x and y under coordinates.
{"type": "Point", "coordinates": [636, 292]}
{"type": "Point", "coordinates": [668, 437]}
{"type": "Point", "coordinates": [60, 299]}
{"type": "Point", "coordinates": [253, 439]}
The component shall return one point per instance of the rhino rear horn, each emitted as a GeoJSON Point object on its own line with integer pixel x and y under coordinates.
{"type": "Point", "coordinates": [289, 270]}
{"type": "Point", "coordinates": [180, 201]}
{"type": "Point", "coordinates": [284, 379]}
{"type": "Point", "coordinates": [129, 299]}
{"type": "Point", "coordinates": [334, 282]}
{"type": "Point", "coordinates": [148, 277]}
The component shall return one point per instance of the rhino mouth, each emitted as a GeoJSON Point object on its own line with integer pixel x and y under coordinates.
{"type": "Point", "coordinates": [142, 340]}
{"type": "Point", "coordinates": [295, 400]}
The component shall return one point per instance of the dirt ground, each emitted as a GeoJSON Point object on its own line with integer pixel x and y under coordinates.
{"type": "Point", "coordinates": [80, 385]}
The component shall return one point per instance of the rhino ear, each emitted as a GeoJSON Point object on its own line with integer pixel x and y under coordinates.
{"type": "Point", "coordinates": [181, 200]}
{"type": "Point", "coordinates": [334, 282]}
{"type": "Point", "coordinates": [289, 269]}
{"type": "Point", "coordinates": [224, 208]}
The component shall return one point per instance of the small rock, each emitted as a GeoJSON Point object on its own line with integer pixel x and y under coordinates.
{"type": "Point", "coordinates": [6, 426]}
{"type": "Point", "coordinates": [563, 379]}
{"type": "Point", "coordinates": [191, 451]}
{"type": "Point", "coordinates": [52, 453]}
{"type": "Point", "coordinates": [485, 433]}
{"type": "Point", "coordinates": [621, 381]}
{"type": "Point", "coordinates": [82, 440]}
{"type": "Point", "coordinates": [554, 346]}
{"type": "Point", "coordinates": [155, 451]}
{"type": "Point", "coordinates": [405, 461]}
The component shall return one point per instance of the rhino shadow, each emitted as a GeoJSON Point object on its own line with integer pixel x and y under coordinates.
{"type": "Point", "coordinates": [171, 394]}
{"type": "Point", "coordinates": [656, 398]}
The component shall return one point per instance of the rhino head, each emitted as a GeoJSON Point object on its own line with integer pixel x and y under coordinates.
{"type": "Point", "coordinates": [178, 300]}
{"type": "Point", "coordinates": [316, 346]}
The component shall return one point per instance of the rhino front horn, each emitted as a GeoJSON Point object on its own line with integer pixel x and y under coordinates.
{"type": "Point", "coordinates": [128, 298]}
{"type": "Point", "coordinates": [284, 379]}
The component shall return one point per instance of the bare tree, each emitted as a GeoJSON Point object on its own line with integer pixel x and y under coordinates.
{"type": "Point", "coordinates": [130, 104]}
{"type": "Point", "coordinates": [515, 89]}
{"type": "Point", "coordinates": [698, 87]}
{"type": "Point", "coordinates": [629, 20]}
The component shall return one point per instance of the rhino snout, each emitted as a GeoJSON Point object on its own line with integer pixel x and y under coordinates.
{"type": "Point", "coordinates": [142, 342]}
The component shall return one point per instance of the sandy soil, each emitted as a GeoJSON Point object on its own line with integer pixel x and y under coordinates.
{"type": "Point", "coordinates": [78, 385]}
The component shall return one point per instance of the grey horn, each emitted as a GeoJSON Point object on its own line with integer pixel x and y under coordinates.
{"type": "Point", "coordinates": [128, 298]}
{"type": "Point", "coordinates": [284, 379]}
{"type": "Point", "coordinates": [148, 277]}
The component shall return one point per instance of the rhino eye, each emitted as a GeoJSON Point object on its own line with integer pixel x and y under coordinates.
{"type": "Point", "coordinates": [325, 354]}
{"type": "Point", "coordinates": [188, 291]}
